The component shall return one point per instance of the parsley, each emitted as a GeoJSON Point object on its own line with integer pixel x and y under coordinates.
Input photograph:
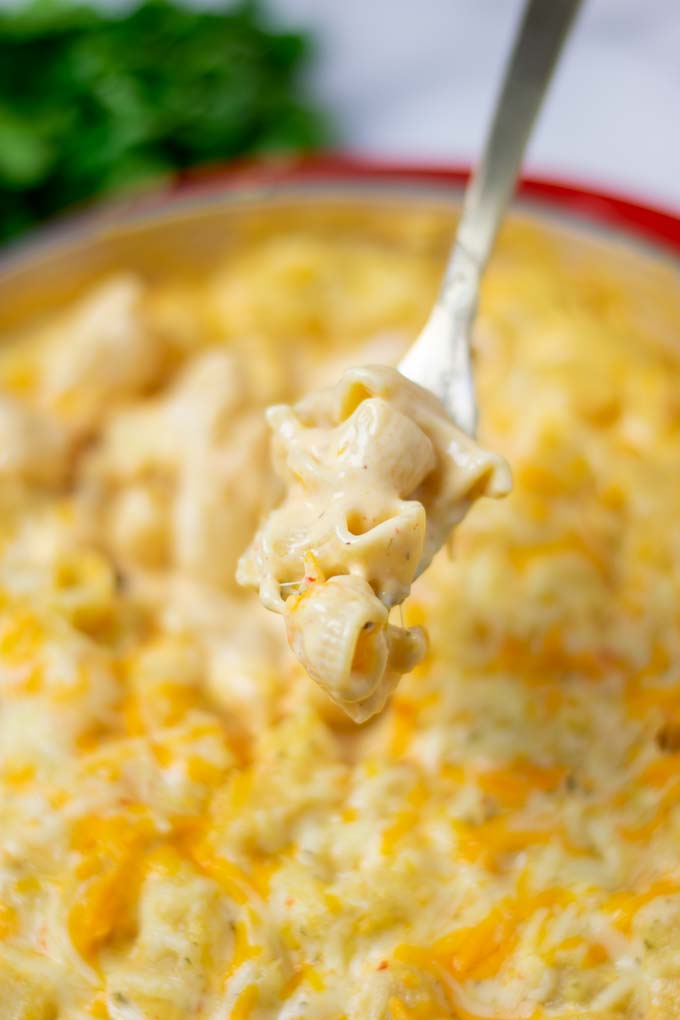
{"type": "Point", "coordinates": [95, 101]}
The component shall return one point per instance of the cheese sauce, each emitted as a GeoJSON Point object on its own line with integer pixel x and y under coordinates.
{"type": "Point", "coordinates": [188, 827]}
{"type": "Point", "coordinates": [377, 478]}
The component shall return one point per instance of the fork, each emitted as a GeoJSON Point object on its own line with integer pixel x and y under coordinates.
{"type": "Point", "coordinates": [440, 358]}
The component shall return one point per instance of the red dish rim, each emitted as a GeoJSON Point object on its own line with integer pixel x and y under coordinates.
{"type": "Point", "coordinates": [625, 215]}
{"type": "Point", "coordinates": [610, 208]}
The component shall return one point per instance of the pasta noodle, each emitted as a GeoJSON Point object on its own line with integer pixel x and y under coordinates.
{"type": "Point", "coordinates": [376, 478]}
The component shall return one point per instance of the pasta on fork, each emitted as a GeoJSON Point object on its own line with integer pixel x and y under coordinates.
{"type": "Point", "coordinates": [377, 476]}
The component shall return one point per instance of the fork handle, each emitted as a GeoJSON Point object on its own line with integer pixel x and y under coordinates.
{"type": "Point", "coordinates": [440, 358]}
{"type": "Point", "coordinates": [537, 46]}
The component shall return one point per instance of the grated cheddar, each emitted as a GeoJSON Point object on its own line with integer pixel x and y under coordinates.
{"type": "Point", "coordinates": [189, 830]}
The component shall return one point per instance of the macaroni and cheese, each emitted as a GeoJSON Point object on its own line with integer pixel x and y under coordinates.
{"type": "Point", "coordinates": [189, 828]}
{"type": "Point", "coordinates": [377, 478]}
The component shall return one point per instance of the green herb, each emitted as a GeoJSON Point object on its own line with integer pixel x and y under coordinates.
{"type": "Point", "coordinates": [93, 101]}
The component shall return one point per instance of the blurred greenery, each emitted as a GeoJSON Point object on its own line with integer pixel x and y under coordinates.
{"type": "Point", "coordinates": [93, 101]}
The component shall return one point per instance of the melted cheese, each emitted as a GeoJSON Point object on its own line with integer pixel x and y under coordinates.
{"type": "Point", "coordinates": [377, 477]}
{"type": "Point", "coordinates": [188, 827]}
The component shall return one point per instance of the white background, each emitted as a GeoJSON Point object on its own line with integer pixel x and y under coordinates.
{"type": "Point", "coordinates": [415, 79]}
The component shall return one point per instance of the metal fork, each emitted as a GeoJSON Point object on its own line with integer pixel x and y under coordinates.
{"type": "Point", "coordinates": [440, 359]}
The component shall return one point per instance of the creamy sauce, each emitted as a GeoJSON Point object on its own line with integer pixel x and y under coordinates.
{"type": "Point", "coordinates": [189, 827]}
{"type": "Point", "coordinates": [376, 478]}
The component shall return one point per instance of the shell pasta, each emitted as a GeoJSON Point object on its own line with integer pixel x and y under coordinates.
{"type": "Point", "coordinates": [377, 477]}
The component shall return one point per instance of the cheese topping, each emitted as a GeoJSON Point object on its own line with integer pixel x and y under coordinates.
{"type": "Point", "coordinates": [189, 828]}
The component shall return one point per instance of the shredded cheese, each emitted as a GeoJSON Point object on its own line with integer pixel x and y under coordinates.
{"type": "Point", "coordinates": [188, 827]}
